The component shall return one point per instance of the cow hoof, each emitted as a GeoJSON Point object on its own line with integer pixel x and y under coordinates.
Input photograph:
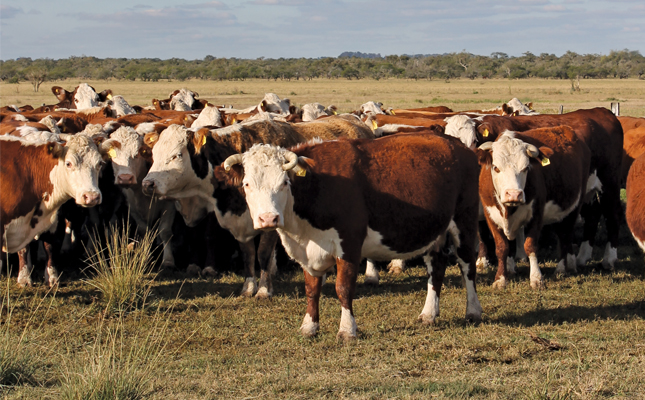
{"type": "Point", "coordinates": [248, 290]}
{"type": "Point", "coordinates": [426, 319]}
{"type": "Point", "coordinates": [482, 265]}
{"type": "Point", "coordinates": [23, 284]}
{"type": "Point", "coordinates": [209, 272]}
{"type": "Point", "coordinates": [263, 294]}
{"type": "Point", "coordinates": [473, 318]}
{"type": "Point", "coordinates": [130, 246]}
{"type": "Point", "coordinates": [345, 336]}
{"type": "Point", "coordinates": [500, 283]}
{"type": "Point", "coordinates": [371, 280]}
{"type": "Point", "coordinates": [309, 328]}
{"type": "Point", "coordinates": [537, 284]}
{"type": "Point", "coordinates": [395, 267]}
{"type": "Point", "coordinates": [193, 270]}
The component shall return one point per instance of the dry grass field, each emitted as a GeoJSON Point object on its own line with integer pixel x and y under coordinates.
{"type": "Point", "coordinates": [582, 337]}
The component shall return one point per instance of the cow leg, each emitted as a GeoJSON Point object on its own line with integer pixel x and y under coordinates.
{"type": "Point", "coordinates": [396, 267]}
{"type": "Point", "coordinates": [565, 236]}
{"type": "Point", "coordinates": [535, 275]}
{"type": "Point", "coordinates": [466, 260]}
{"type": "Point", "coordinates": [591, 213]}
{"type": "Point", "coordinates": [51, 273]}
{"type": "Point", "coordinates": [436, 265]}
{"type": "Point", "coordinates": [25, 267]}
{"type": "Point", "coordinates": [248, 257]}
{"type": "Point", "coordinates": [520, 253]}
{"type": "Point", "coordinates": [501, 250]}
{"type": "Point", "coordinates": [165, 233]}
{"type": "Point", "coordinates": [511, 269]}
{"type": "Point", "coordinates": [266, 258]}
{"type": "Point", "coordinates": [611, 209]}
{"type": "Point", "coordinates": [371, 273]}
{"type": "Point", "coordinates": [482, 263]}
{"type": "Point", "coordinates": [346, 273]}
{"type": "Point", "coordinates": [310, 324]}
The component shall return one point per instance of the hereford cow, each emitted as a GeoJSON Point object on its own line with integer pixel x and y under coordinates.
{"type": "Point", "coordinates": [390, 198]}
{"type": "Point", "coordinates": [187, 168]}
{"type": "Point", "coordinates": [636, 201]}
{"type": "Point", "coordinates": [633, 143]}
{"type": "Point", "coordinates": [528, 180]}
{"type": "Point", "coordinates": [83, 96]}
{"type": "Point", "coordinates": [601, 131]}
{"type": "Point", "coordinates": [36, 178]}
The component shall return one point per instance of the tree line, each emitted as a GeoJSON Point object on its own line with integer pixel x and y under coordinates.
{"type": "Point", "coordinates": [617, 64]}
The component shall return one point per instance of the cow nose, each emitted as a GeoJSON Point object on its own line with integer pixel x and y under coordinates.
{"type": "Point", "coordinates": [90, 199]}
{"type": "Point", "coordinates": [148, 187]}
{"type": "Point", "coordinates": [513, 196]}
{"type": "Point", "coordinates": [268, 220]}
{"type": "Point", "coordinates": [126, 179]}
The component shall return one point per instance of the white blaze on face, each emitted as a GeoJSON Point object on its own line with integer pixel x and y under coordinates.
{"type": "Point", "coordinates": [182, 101]}
{"type": "Point", "coordinates": [121, 106]}
{"type": "Point", "coordinates": [463, 128]}
{"type": "Point", "coordinates": [266, 185]}
{"type": "Point", "coordinates": [171, 171]}
{"type": "Point", "coordinates": [517, 106]}
{"type": "Point", "coordinates": [77, 174]}
{"type": "Point", "coordinates": [371, 108]}
{"type": "Point", "coordinates": [272, 103]}
{"type": "Point", "coordinates": [85, 97]}
{"type": "Point", "coordinates": [210, 116]}
{"type": "Point", "coordinates": [124, 145]}
{"type": "Point", "coordinates": [509, 169]}
{"type": "Point", "coordinates": [312, 111]}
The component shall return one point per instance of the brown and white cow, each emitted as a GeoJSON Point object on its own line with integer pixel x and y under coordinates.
{"type": "Point", "coordinates": [187, 169]}
{"type": "Point", "coordinates": [36, 178]}
{"type": "Point", "coordinates": [530, 179]}
{"type": "Point", "coordinates": [131, 160]}
{"type": "Point", "coordinates": [633, 143]}
{"type": "Point", "coordinates": [82, 97]}
{"type": "Point", "coordinates": [636, 201]}
{"type": "Point", "coordinates": [601, 131]}
{"type": "Point", "coordinates": [340, 201]}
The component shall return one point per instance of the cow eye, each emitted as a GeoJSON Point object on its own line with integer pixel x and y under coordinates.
{"type": "Point", "coordinates": [68, 164]}
{"type": "Point", "coordinates": [495, 169]}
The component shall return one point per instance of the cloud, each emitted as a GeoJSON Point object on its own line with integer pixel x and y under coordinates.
{"type": "Point", "coordinates": [555, 7]}
{"type": "Point", "coordinates": [8, 12]}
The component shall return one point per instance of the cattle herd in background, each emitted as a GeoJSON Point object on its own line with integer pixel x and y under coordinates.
{"type": "Point", "coordinates": [379, 183]}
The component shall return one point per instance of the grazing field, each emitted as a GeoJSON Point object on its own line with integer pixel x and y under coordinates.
{"type": "Point", "coordinates": [582, 337]}
{"type": "Point", "coordinates": [546, 95]}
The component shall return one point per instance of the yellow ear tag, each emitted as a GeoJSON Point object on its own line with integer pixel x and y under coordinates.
{"type": "Point", "coordinates": [234, 121]}
{"type": "Point", "coordinates": [112, 153]}
{"type": "Point", "coordinates": [545, 162]}
{"type": "Point", "coordinates": [301, 172]}
{"type": "Point", "coordinates": [335, 113]}
{"type": "Point", "coordinates": [109, 97]}
{"type": "Point", "coordinates": [374, 125]}
{"type": "Point", "coordinates": [485, 132]}
{"type": "Point", "coordinates": [392, 111]}
{"type": "Point", "coordinates": [204, 140]}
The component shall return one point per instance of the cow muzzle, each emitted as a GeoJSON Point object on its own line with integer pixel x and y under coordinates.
{"type": "Point", "coordinates": [148, 187]}
{"type": "Point", "coordinates": [90, 199]}
{"type": "Point", "coordinates": [268, 221]}
{"type": "Point", "coordinates": [126, 180]}
{"type": "Point", "coordinates": [513, 197]}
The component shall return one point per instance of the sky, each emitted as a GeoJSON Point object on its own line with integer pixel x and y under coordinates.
{"type": "Point", "coordinates": [297, 28]}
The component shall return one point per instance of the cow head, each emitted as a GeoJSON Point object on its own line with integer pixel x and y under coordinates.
{"type": "Point", "coordinates": [84, 96]}
{"type": "Point", "coordinates": [272, 103]}
{"type": "Point", "coordinates": [77, 172]}
{"type": "Point", "coordinates": [516, 107]}
{"type": "Point", "coordinates": [179, 168]}
{"type": "Point", "coordinates": [463, 128]}
{"type": "Point", "coordinates": [129, 155]}
{"type": "Point", "coordinates": [267, 174]}
{"type": "Point", "coordinates": [508, 159]}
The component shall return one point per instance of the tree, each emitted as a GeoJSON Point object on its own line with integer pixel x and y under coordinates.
{"type": "Point", "coordinates": [36, 75]}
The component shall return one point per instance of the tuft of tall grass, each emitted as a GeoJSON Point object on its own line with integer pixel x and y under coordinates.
{"type": "Point", "coordinates": [122, 270]}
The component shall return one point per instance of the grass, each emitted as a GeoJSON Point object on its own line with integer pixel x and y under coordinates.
{"type": "Point", "coordinates": [207, 343]}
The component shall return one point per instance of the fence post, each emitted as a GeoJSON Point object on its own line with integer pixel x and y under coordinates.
{"type": "Point", "coordinates": [561, 109]}
{"type": "Point", "coordinates": [615, 108]}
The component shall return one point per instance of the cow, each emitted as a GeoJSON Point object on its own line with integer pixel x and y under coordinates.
{"type": "Point", "coordinates": [601, 131]}
{"type": "Point", "coordinates": [82, 97]}
{"type": "Point", "coordinates": [36, 178]}
{"type": "Point", "coordinates": [337, 202]}
{"type": "Point", "coordinates": [528, 180]}
{"type": "Point", "coordinates": [187, 168]}
{"type": "Point", "coordinates": [131, 160]}
{"type": "Point", "coordinates": [180, 100]}
{"type": "Point", "coordinates": [431, 109]}
{"type": "Point", "coordinates": [313, 111]}
{"type": "Point", "coordinates": [636, 201]}
{"type": "Point", "coordinates": [633, 143]}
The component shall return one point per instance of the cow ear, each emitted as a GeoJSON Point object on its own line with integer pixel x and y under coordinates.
{"type": "Point", "coordinates": [506, 110]}
{"type": "Point", "coordinates": [55, 149]}
{"type": "Point", "coordinates": [304, 166]}
{"type": "Point", "coordinates": [60, 93]}
{"type": "Point", "coordinates": [484, 131]}
{"type": "Point", "coordinates": [155, 103]}
{"type": "Point", "coordinates": [545, 152]}
{"type": "Point", "coordinates": [293, 110]}
{"type": "Point", "coordinates": [484, 153]}
{"type": "Point", "coordinates": [199, 139]}
{"type": "Point", "coordinates": [232, 178]}
{"type": "Point", "coordinates": [437, 129]}
{"type": "Point", "coordinates": [529, 105]}
{"type": "Point", "coordinates": [105, 95]}
{"type": "Point", "coordinates": [145, 152]}
{"type": "Point", "coordinates": [195, 94]}
{"type": "Point", "coordinates": [149, 139]}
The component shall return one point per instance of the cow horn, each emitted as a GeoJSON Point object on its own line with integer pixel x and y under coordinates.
{"type": "Point", "coordinates": [486, 146]}
{"type": "Point", "coordinates": [232, 160]}
{"type": "Point", "coordinates": [65, 137]}
{"type": "Point", "coordinates": [532, 151]}
{"type": "Point", "coordinates": [292, 159]}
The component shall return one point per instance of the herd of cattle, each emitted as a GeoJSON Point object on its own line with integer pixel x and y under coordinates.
{"type": "Point", "coordinates": [381, 184]}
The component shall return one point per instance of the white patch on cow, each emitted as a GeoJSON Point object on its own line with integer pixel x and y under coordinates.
{"type": "Point", "coordinates": [273, 104]}
{"type": "Point", "coordinates": [641, 243]}
{"type": "Point", "coordinates": [510, 164]}
{"type": "Point", "coordinates": [313, 111]}
{"type": "Point", "coordinates": [240, 226]}
{"type": "Point", "coordinates": [463, 128]}
{"type": "Point", "coordinates": [51, 276]}
{"type": "Point", "coordinates": [183, 100]}
{"type": "Point", "coordinates": [249, 287]}
{"type": "Point", "coordinates": [18, 232]}
{"type": "Point", "coordinates": [308, 327]}
{"type": "Point", "coordinates": [50, 123]}
{"type": "Point", "coordinates": [121, 107]}
{"type": "Point", "coordinates": [28, 131]}
{"type": "Point", "coordinates": [390, 129]}
{"type": "Point", "coordinates": [371, 108]}
{"type": "Point", "coordinates": [227, 130]}
{"type": "Point", "coordinates": [347, 327]}
{"type": "Point", "coordinates": [430, 310]}
{"type": "Point", "coordinates": [584, 254]}
{"type": "Point", "coordinates": [482, 264]}
{"type": "Point", "coordinates": [517, 106]}
{"type": "Point", "coordinates": [511, 267]}
{"type": "Point", "coordinates": [19, 117]}
{"type": "Point", "coordinates": [553, 213]}
{"type": "Point", "coordinates": [396, 266]}
{"type": "Point", "coordinates": [85, 97]}
{"type": "Point", "coordinates": [511, 225]}
{"type": "Point", "coordinates": [593, 186]}
{"type": "Point", "coordinates": [145, 127]}
{"type": "Point", "coordinates": [610, 257]}
{"type": "Point", "coordinates": [314, 249]}
{"type": "Point", "coordinates": [535, 275]}
{"type": "Point", "coordinates": [210, 116]}
{"type": "Point", "coordinates": [93, 130]}
{"type": "Point", "coordinates": [374, 248]}
{"type": "Point", "coordinates": [500, 283]}
{"type": "Point", "coordinates": [371, 273]}
{"type": "Point", "coordinates": [32, 137]}
{"type": "Point", "coordinates": [24, 275]}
